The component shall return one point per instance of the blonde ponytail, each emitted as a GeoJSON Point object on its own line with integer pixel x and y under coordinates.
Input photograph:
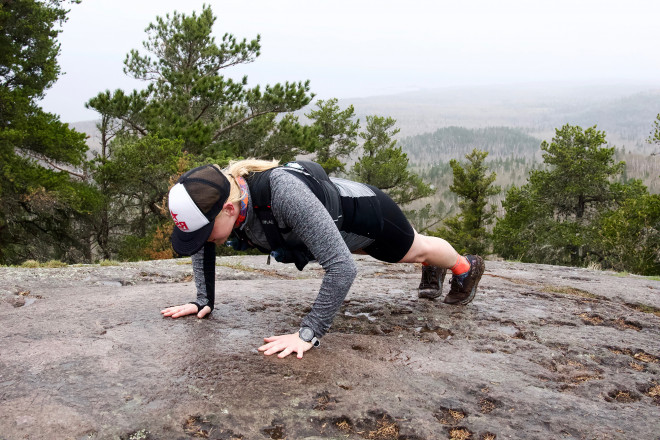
{"type": "Point", "coordinates": [241, 168]}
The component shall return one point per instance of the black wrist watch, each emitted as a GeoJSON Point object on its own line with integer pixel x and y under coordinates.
{"type": "Point", "coordinates": [307, 335]}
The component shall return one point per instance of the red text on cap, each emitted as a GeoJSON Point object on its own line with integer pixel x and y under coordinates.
{"type": "Point", "coordinates": [180, 225]}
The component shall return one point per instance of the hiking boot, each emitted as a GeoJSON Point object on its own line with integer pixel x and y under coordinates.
{"type": "Point", "coordinates": [464, 287]}
{"type": "Point", "coordinates": [432, 279]}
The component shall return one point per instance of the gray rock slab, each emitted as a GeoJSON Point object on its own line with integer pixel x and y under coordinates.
{"type": "Point", "coordinates": [543, 352]}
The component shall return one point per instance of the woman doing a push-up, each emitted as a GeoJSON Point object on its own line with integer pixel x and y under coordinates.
{"type": "Point", "coordinates": [298, 214]}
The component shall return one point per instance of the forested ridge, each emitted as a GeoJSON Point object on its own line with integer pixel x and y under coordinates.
{"type": "Point", "coordinates": [624, 112]}
{"type": "Point", "coordinates": [512, 154]}
{"type": "Point", "coordinates": [455, 142]}
{"type": "Point", "coordinates": [479, 167]}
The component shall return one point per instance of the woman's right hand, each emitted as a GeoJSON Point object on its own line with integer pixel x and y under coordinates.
{"type": "Point", "coordinates": [185, 309]}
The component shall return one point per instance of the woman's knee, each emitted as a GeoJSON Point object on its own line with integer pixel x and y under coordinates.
{"type": "Point", "coordinates": [419, 251]}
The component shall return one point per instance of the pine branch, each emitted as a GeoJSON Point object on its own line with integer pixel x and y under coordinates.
{"type": "Point", "coordinates": [52, 164]}
{"type": "Point", "coordinates": [242, 121]}
{"type": "Point", "coordinates": [136, 127]}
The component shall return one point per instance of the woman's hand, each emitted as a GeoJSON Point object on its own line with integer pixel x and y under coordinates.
{"type": "Point", "coordinates": [185, 309]}
{"type": "Point", "coordinates": [286, 344]}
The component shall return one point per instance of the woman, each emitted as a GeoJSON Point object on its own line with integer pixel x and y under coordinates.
{"type": "Point", "coordinates": [298, 214]}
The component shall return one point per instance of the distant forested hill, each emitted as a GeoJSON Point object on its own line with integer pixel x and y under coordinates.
{"type": "Point", "coordinates": [455, 142]}
{"type": "Point", "coordinates": [624, 112]}
{"type": "Point", "coordinates": [512, 155]}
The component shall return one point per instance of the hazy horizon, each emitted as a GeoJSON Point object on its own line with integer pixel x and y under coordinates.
{"type": "Point", "coordinates": [357, 49]}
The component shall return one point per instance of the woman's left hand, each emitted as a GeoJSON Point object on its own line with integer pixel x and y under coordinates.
{"type": "Point", "coordinates": [286, 344]}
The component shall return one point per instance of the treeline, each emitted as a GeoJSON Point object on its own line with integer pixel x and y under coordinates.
{"type": "Point", "coordinates": [576, 210]}
{"type": "Point", "coordinates": [641, 166]}
{"type": "Point", "coordinates": [512, 155]}
{"type": "Point", "coordinates": [427, 213]}
{"type": "Point", "coordinates": [57, 203]}
{"type": "Point", "coordinates": [455, 142]}
{"type": "Point", "coordinates": [581, 205]}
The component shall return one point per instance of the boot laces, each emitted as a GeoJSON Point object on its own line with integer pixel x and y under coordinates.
{"type": "Point", "coordinates": [460, 279]}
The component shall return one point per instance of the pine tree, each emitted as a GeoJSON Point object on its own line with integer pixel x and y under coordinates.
{"type": "Point", "coordinates": [135, 177]}
{"type": "Point", "coordinates": [554, 217]}
{"type": "Point", "coordinates": [579, 171]}
{"type": "Point", "coordinates": [335, 132]}
{"type": "Point", "coordinates": [629, 237]}
{"type": "Point", "coordinates": [384, 165]}
{"type": "Point", "coordinates": [43, 197]}
{"type": "Point", "coordinates": [187, 96]}
{"type": "Point", "coordinates": [474, 185]}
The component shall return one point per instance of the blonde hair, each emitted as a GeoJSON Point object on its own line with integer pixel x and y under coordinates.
{"type": "Point", "coordinates": [242, 168]}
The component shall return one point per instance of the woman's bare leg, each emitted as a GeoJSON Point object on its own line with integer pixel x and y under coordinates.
{"type": "Point", "coordinates": [431, 250]}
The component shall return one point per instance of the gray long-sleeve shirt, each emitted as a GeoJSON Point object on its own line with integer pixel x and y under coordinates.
{"type": "Point", "coordinates": [295, 206]}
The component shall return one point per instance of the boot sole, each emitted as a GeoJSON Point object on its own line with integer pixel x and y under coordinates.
{"type": "Point", "coordinates": [429, 294]}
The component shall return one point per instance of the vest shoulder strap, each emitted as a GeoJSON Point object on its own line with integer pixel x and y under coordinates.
{"type": "Point", "coordinates": [317, 180]}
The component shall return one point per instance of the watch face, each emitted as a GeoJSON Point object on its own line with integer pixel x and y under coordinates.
{"type": "Point", "coordinates": [306, 334]}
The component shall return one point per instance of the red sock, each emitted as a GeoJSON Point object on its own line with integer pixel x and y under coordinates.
{"type": "Point", "coordinates": [462, 265]}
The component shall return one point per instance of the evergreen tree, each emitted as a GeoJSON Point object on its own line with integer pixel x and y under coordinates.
{"type": "Point", "coordinates": [629, 237]}
{"type": "Point", "coordinates": [44, 201]}
{"type": "Point", "coordinates": [579, 172]}
{"type": "Point", "coordinates": [104, 222]}
{"type": "Point", "coordinates": [524, 226]}
{"type": "Point", "coordinates": [385, 166]}
{"type": "Point", "coordinates": [473, 185]}
{"type": "Point", "coordinates": [187, 97]}
{"type": "Point", "coordinates": [336, 134]}
{"type": "Point", "coordinates": [553, 218]}
{"type": "Point", "coordinates": [135, 178]}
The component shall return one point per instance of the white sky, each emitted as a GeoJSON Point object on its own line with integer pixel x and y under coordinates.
{"type": "Point", "coordinates": [365, 47]}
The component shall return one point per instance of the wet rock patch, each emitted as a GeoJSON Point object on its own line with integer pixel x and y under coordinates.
{"type": "Point", "coordinates": [324, 401]}
{"type": "Point", "coordinates": [619, 323]}
{"type": "Point", "coordinates": [651, 390]}
{"type": "Point", "coordinates": [591, 319]}
{"type": "Point", "coordinates": [276, 431]}
{"type": "Point", "coordinates": [21, 298]}
{"type": "Point", "coordinates": [443, 333]}
{"type": "Point", "coordinates": [488, 405]}
{"type": "Point", "coordinates": [334, 425]}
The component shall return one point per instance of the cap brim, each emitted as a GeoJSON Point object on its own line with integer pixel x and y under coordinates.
{"type": "Point", "coordinates": [188, 243]}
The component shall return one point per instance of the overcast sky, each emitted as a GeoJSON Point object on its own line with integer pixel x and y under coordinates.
{"type": "Point", "coordinates": [362, 47]}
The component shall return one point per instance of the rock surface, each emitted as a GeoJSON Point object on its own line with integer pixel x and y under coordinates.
{"type": "Point", "coordinates": [543, 352]}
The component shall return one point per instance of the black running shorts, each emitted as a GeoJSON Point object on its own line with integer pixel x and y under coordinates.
{"type": "Point", "coordinates": [396, 235]}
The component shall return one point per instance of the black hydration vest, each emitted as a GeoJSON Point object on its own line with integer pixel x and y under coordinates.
{"type": "Point", "coordinates": [317, 180]}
